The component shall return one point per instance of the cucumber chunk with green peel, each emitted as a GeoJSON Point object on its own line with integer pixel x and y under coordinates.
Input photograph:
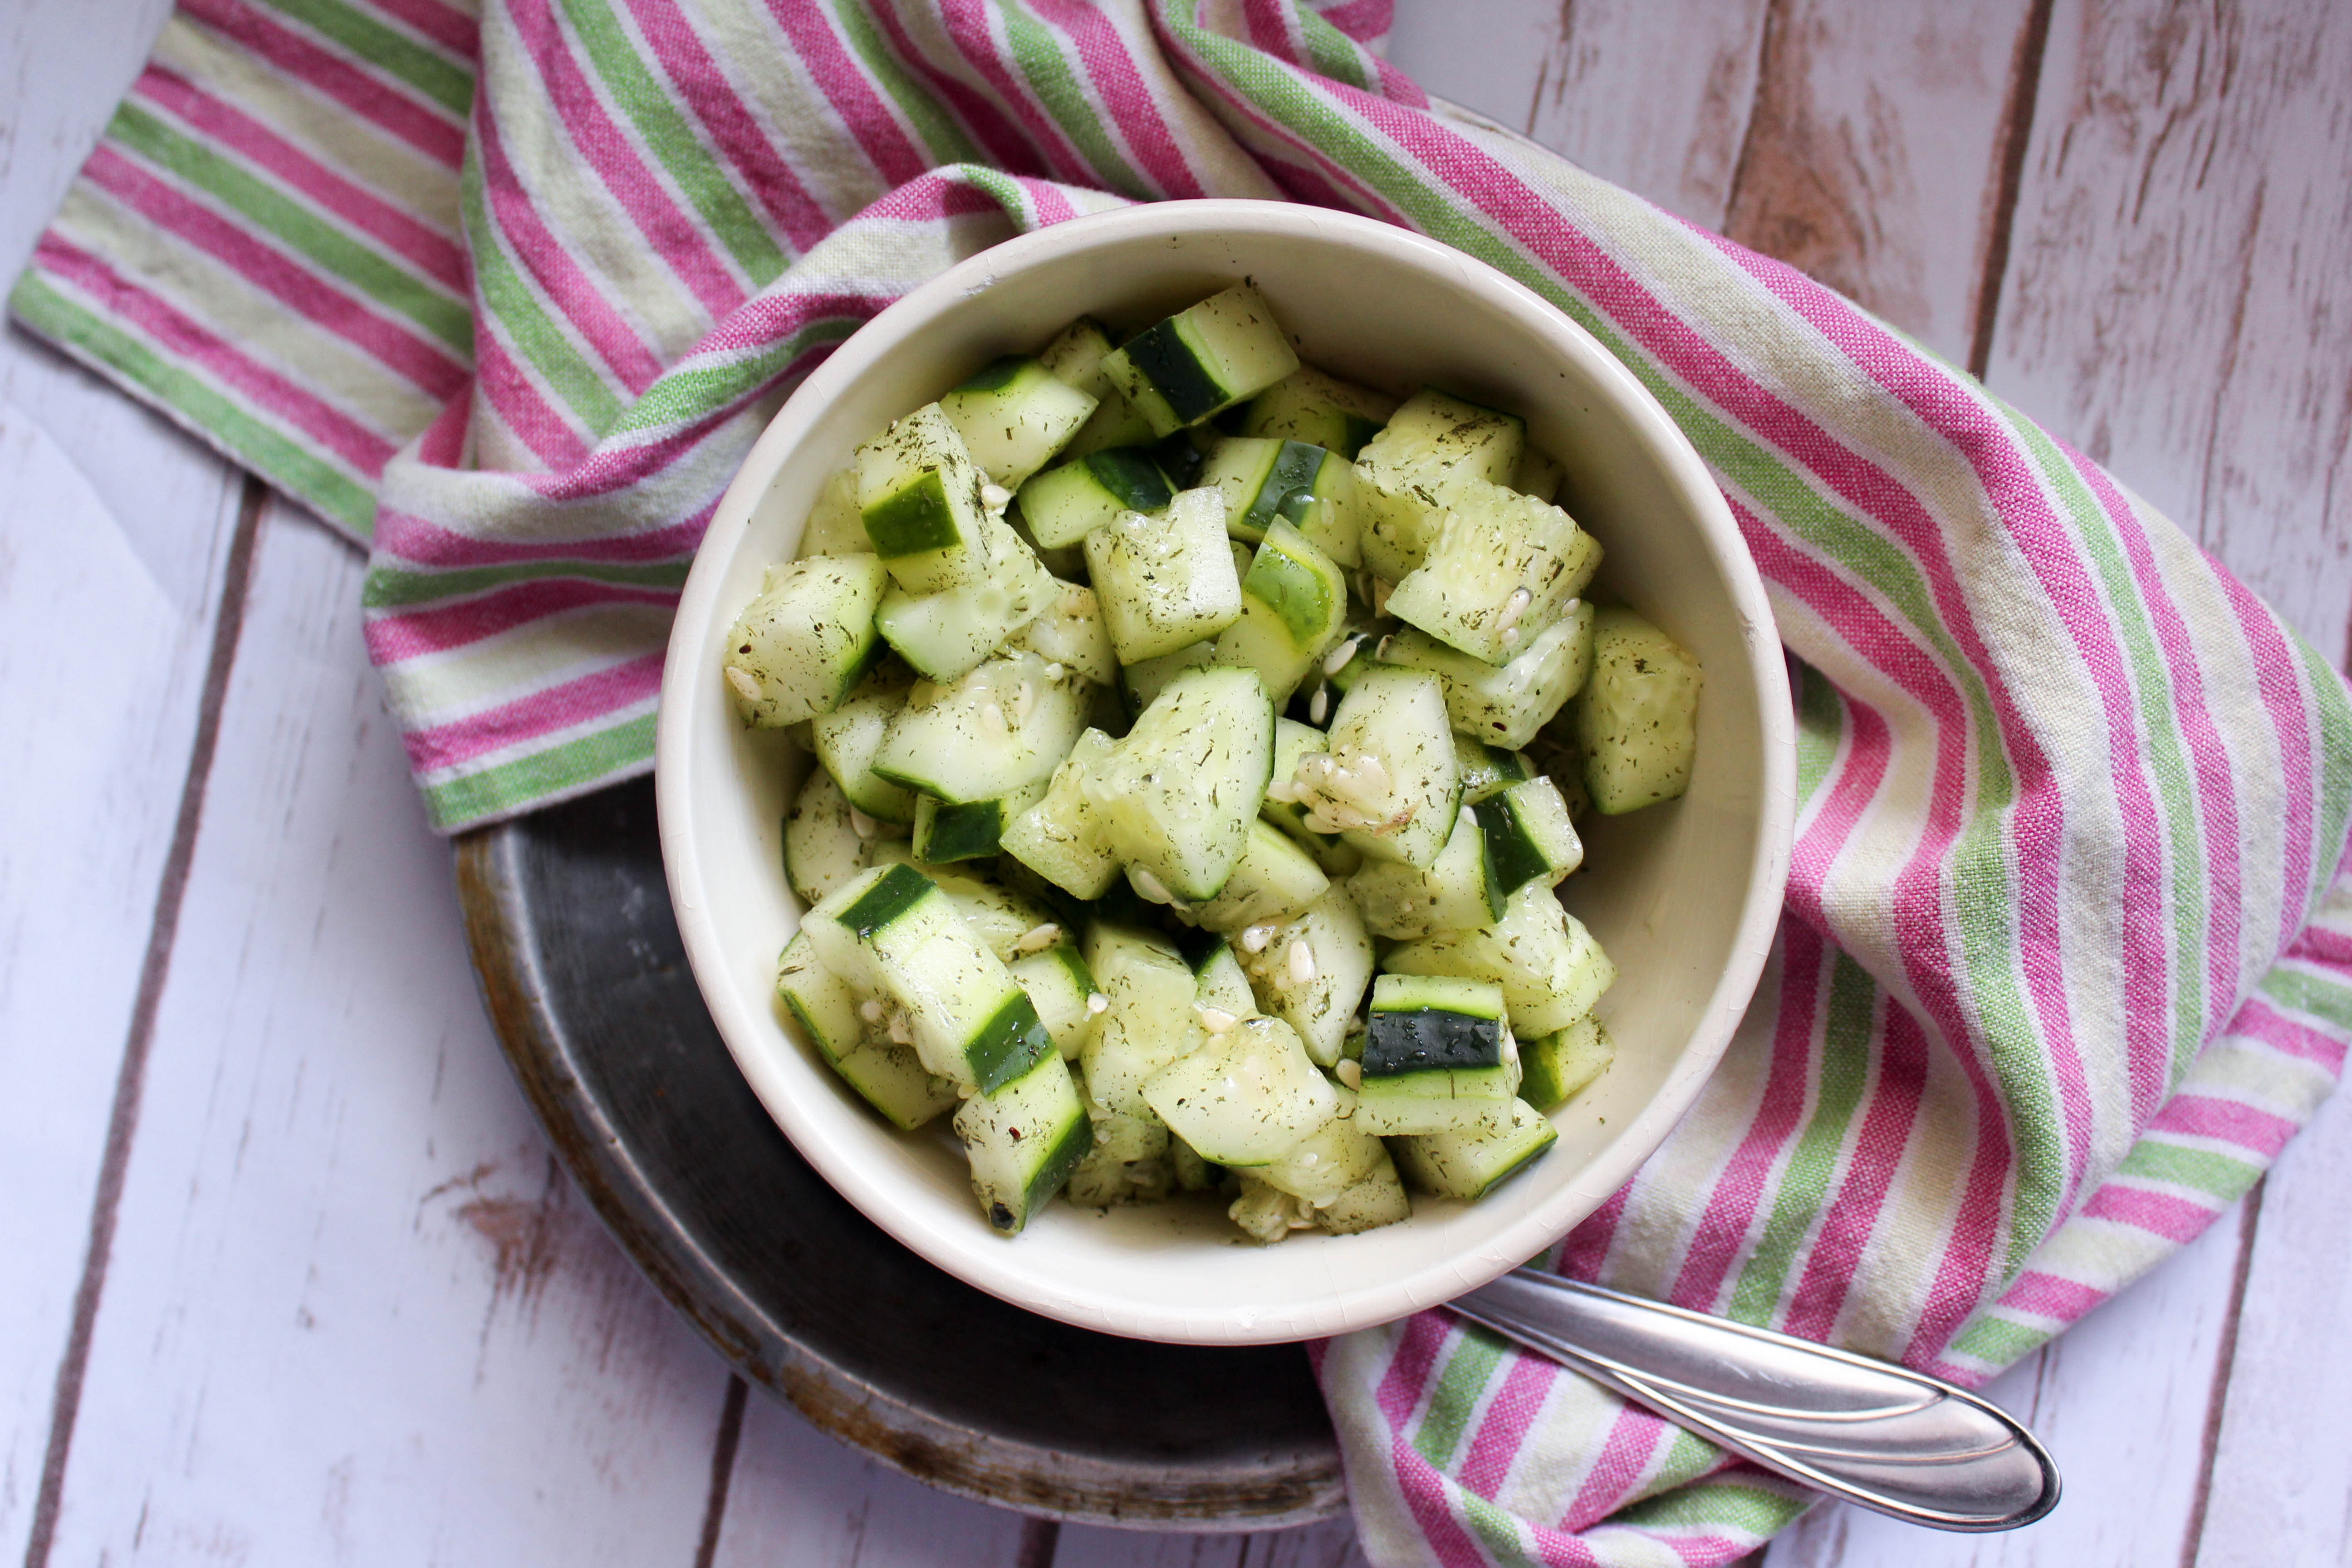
{"type": "Point", "coordinates": [1501, 568]}
{"type": "Point", "coordinates": [1292, 742]}
{"type": "Point", "coordinates": [1405, 473]}
{"type": "Point", "coordinates": [1386, 779]}
{"type": "Point", "coordinates": [1539, 475]}
{"type": "Point", "coordinates": [1503, 704]}
{"type": "Point", "coordinates": [919, 495]}
{"type": "Point", "coordinates": [970, 830]}
{"type": "Point", "coordinates": [1070, 631]}
{"type": "Point", "coordinates": [1487, 770]}
{"type": "Point", "coordinates": [1550, 969]}
{"type": "Point", "coordinates": [1167, 580]}
{"type": "Point", "coordinates": [1294, 604]}
{"type": "Point", "coordinates": [1317, 407]}
{"type": "Point", "coordinates": [1061, 836]}
{"type": "Point", "coordinates": [1264, 482]}
{"type": "Point", "coordinates": [825, 1005]}
{"type": "Point", "coordinates": [1062, 988]}
{"type": "Point", "coordinates": [1637, 717]}
{"type": "Point", "coordinates": [1127, 1164]}
{"type": "Point", "coordinates": [1193, 1173]}
{"type": "Point", "coordinates": [848, 739]}
{"type": "Point", "coordinates": [1150, 1018]}
{"type": "Point", "coordinates": [799, 647]}
{"type": "Point", "coordinates": [1009, 924]}
{"type": "Point", "coordinates": [1006, 724]}
{"type": "Point", "coordinates": [1564, 1063]}
{"type": "Point", "coordinates": [829, 1010]}
{"type": "Point", "coordinates": [1219, 984]}
{"type": "Point", "coordinates": [1065, 503]}
{"type": "Point", "coordinates": [1472, 1165]}
{"type": "Point", "coordinates": [1328, 1159]}
{"type": "Point", "coordinates": [834, 527]}
{"type": "Point", "coordinates": [1177, 797]}
{"type": "Point", "coordinates": [1311, 971]}
{"type": "Point", "coordinates": [1201, 361]}
{"type": "Point", "coordinates": [1439, 1057]}
{"type": "Point", "coordinates": [945, 636]}
{"type": "Point", "coordinates": [1244, 1095]}
{"type": "Point", "coordinates": [1528, 835]}
{"type": "Point", "coordinates": [1274, 880]}
{"type": "Point", "coordinates": [892, 932]}
{"type": "Point", "coordinates": [1461, 892]}
{"type": "Point", "coordinates": [1023, 1139]}
{"type": "Point", "coordinates": [1013, 415]}
{"type": "Point", "coordinates": [823, 848]}
{"type": "Point", "coordinates": [1076, 356]}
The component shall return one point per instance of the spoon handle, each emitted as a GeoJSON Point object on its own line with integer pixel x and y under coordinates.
{"type": "Point", "coordinates": [1874, 1434]}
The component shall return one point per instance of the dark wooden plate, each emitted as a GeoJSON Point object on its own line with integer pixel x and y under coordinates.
{"type": "Point", "coordinates": [588, 988]}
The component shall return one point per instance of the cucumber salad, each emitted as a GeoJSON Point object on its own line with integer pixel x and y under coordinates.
{"type": "Point", "coordinates": [1200, 741]}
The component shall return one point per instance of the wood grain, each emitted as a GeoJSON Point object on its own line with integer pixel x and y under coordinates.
{"type": "Point", "coordinates": [1331, 1545]}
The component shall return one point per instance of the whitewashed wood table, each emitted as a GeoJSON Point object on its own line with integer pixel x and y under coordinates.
{"type": "Point", "coordinates": [293, 1278]}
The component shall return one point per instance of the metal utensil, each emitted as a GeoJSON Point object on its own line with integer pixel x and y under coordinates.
{"type": "Point", "coordinates": [1874, 1434]}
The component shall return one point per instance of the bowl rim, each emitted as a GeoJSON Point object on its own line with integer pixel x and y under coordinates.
{"type": "Point", "coordinates": [999, 1273]}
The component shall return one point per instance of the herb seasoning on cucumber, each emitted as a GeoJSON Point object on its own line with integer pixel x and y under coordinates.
{"type": "Point", "coordinates": [1211, 688]}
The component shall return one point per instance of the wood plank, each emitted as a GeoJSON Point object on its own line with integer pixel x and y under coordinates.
{"type": "Point", "coordinates": [355, 1313]}
{"type": "Point", "coordinates": [798, 1499]}
{"type": "Point", "coordinates": [1331, 1545]}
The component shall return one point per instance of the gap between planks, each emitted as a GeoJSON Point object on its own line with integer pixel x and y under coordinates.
{"type": "Point", "coordinates": [122, 1118]}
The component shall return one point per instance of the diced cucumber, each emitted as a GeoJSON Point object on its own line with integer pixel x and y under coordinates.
{"type": "Point", "coordinates": [1024, 1140]}
{"type": "Point", "coordinates": [1500, 570]}
{"type": "Point", "coordinates": [1461, 892]}
{"type": "Point", "coordinates": [1292, 741]}
{"type": "Point", "coordinates": [1245, 1096]}
{"type": "Point", "coordinates": [1386, 778]}
{"type": "Point", "coordinates": [1066, 561]}
{"type": "Point", "coordinates": [1312, 971]}
{"type": "Point", "coordinates": [1070, 631]}
{"type": "Point", "coordinates": [1528, 835]}
{"type": "Point", "coordinates": [1060, 838]}
{"type": "Point", "coordinates": [1487, 770]}
{"type": "Point", "coordinates": [1405, 472]}
{"type": "Point", "coordinates": [1076, 357]}
{"type": "Point", "coordinates": [1439, 1058]}
{"type": "Point", "coordinates": [823, 849]}
{"type": "Point", "coordinates": [828, 1008]}
{"type": "Point", "coordinates": [834, 527]}
{"type": "Point", "coordinates": [1165, 581]}
{"type": "Point", "coordinates": [1265, 480]}
{"type": "Point", "coordinates": [1294, 602]}
{"type": "Point", "coordinates": [823, 1004]}
{"type": "Point", "coordinates": [1193, 1173]}
{"type": "Point", "coordinates": [1564, 1063]}
{"type": "Point", "coordinates": [1141, 681]}
{"type": "Point", "coordinates": [799, 647]}
{"type": "Point", "coordinates": [1379, 1199]}
{"type": "Point", "coordinates": [1062, 989]}
{"type": "Point", "coordinates": [1550, 969]}
{"type": "Point", "coordinates": [1637, 718]}
{"type": "Point", "coordinates": [1538, 474]}
{"type": "Point", "coordinates": [1064, 504]}
{"type": "Point", "coordinates": [1150, 1019]}
{"type": "Point", "coordinates": [1314, 405]}
{"type": "Point", "coordinates": [1274, 880]}
{"type": "Point", "coordinates": [945, 636]}
{"type": "Point", "coordinates": [1503, 704]}
{"type": "Point", "coordinates": [970, 829]}
{"type": "Point", "coordinates": [1127, 1164]}
{"type": "Point", "coordinates": [1472, 1165]}
{"type": "Point", "coordinates": [1203, 359]}
{"type": "Point", "coordinates": [1013, 415]}
{"type": "Point", "coordinates": [1556, 756]}
{"type": "Point", "coordinates": [919, 494]}
{"type": "Point", "coordinates": [1266, 1214]}
{"type": "Point", "coordinates": [846, 739]}
{"type": "Point", "coordinates": [1328, 1159]}
{"type": "Point", "coordinates": [1007, 923]}
{"type": "Point", "coordinates": [1005, 725]}
{"type": "Point", "coordinates": [1218, 981]}
{"type": "Point", "coordinates": [893, 932]}
{"type": "Point", "coordinates": [1178, 794]}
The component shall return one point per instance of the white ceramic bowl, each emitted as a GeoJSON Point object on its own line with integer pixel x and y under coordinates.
{"type": "Point", "coordinates": [1684, 896]}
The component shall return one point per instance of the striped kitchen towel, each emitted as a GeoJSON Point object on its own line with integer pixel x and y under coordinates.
{"type": "Point", "coordinates": [2067, 952]}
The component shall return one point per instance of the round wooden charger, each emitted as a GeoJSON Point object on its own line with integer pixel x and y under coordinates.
{"type": "Point", "coordinates": [588, 988]}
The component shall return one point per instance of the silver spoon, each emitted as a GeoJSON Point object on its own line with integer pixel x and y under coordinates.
{"type": "Point", "coordinates": [1874, 1434]}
